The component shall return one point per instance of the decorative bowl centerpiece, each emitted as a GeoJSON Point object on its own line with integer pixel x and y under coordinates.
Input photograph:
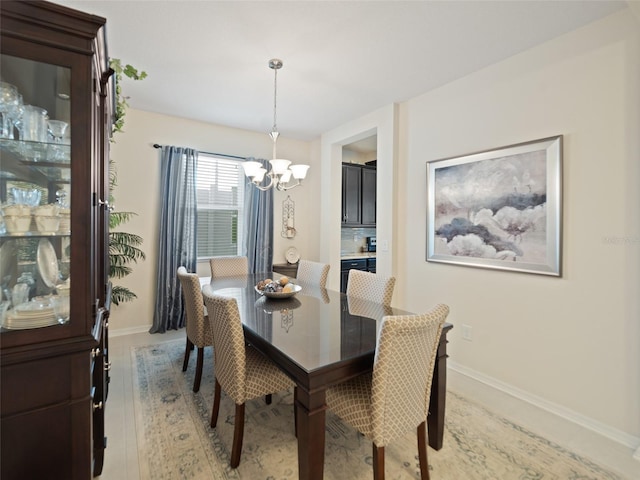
{"type": "Point", "coordinates": [281, 288]}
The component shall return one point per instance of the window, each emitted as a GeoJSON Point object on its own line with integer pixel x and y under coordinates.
{"type": "Point", "coordinates": [220, 196]}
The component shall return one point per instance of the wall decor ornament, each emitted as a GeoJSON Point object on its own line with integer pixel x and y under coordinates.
{"type": "Point", "coordinates": [288, 218]}
{"type": "Point", "coordinates": [498, 209]}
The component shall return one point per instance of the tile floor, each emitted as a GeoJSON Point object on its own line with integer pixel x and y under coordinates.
{"type": "Point", "coordinates": [121, 456]}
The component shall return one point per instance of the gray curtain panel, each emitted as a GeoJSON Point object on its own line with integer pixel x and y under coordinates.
{"type": "Point", "coordinates": [259, 225]}
{"type": "Point", "coordinates": [177, 239]}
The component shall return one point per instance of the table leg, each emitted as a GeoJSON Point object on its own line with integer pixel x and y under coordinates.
{"type": "Point", "coordinates": [435, 420]}
{"type": "Point", "coordinates": [311, 427]}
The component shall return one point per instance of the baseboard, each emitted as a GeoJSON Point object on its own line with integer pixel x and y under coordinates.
{"type": "Point", "coordinates": [599, 428]}
{"type": "Point", "coordinates": [118, 332]}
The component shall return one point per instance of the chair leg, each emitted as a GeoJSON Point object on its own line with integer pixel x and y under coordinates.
{"type": "Point", "coordinates": [238, 433]}
{"type": "Point", "coordinates": [187, 352]}
{"type": "Point", "coordinates": [378, 462]}
{"type": "Point", "coordinates": [216, 405]}
{"type": "Point", "coordinates": [267, 399]}
{"type": "Point", "coordinates": [422, 451]}
{"type": "Point", "coordinates": [198, 377]}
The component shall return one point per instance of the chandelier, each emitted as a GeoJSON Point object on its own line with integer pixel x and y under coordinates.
{"type": "Point", "coordinates": [282, 171]}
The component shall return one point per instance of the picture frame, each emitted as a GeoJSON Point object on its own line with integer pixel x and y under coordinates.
{"type": "Point", "coordinates": [498, 209]}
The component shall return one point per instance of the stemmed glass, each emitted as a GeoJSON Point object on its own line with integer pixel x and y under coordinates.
{"type": "Point", "coordinates": [57, 129]}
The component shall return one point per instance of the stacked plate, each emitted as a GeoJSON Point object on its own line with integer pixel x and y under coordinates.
{"type": "Point", "coordinates": [30, 315]}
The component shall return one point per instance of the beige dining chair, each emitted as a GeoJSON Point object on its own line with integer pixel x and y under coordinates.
{"type": "Point", "coordinates": [197, 322]}
{"type": "Point", "coordinates": [239, 370]}
{"type": "Point", "coordinates": [370, 286]}
{"type": "Point", "coordinates": [393, 400]}
{"type": "Point", "coordinates": [312, 273]}
{"type": "Point", "coordinates": [229, 266]}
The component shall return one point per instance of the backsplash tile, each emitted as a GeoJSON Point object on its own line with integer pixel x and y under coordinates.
{"type": "Point", "coordinates": [354, 239]}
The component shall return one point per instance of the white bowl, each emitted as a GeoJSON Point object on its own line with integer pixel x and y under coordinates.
{"type": "Point", "coordinates": [49, 210]}
{"type": "Point", "coordinates": [16, 210]}
{"type": "Point", "coordinates": [65, 220]}
{"type": "Point", "coordinates": [47, 224]}
{"type": "Point", "coordinates": [17, 223]}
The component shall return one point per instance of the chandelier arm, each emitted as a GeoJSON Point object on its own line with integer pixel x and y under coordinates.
{"type": "Point", "coordinates": [266, 187]}
{"type": "Point", "coordinates": [284, 188]}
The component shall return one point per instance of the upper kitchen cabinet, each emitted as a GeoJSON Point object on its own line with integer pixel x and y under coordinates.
{"type": "Point", "coordinates": [358, 195]}
{"type": "Point", "coordinates": [56, 104]}
{"type": "Point", "coordinates": [369, 176]}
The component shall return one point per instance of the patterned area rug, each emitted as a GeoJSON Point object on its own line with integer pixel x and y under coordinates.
{"type": "Point", "coordinates": [176, 442]}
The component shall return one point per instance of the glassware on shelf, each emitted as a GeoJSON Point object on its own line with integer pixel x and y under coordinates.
{"type": "Point", "coordinates": [61, 307]}
{"type": "Point", "coordinates": [57, 129]}
{"type": "Point", "coordinates": [64, 211]}
{"type": "Point", "coordinates": [8, 100]}
{"type": "Point", "coordinates": [19, 294]}
{"type": "Point", "coordinates": [61, 198]}
{"type": "Point", "coordinates": [34, 124]}
{"type": "Point", "coordinates": [26, 278]}
{"type": "Point", "coordinates": [26, 196]}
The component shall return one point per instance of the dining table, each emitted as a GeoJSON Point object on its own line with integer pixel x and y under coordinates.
{"type": "Point", "coordinates": [319, 338]}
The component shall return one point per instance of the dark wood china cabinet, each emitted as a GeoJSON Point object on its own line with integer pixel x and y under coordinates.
{"type": "Point", "coordinates": [56, 104]}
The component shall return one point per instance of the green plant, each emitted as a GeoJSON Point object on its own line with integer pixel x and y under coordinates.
{"type": "Point", "coordinates": [123, 247]}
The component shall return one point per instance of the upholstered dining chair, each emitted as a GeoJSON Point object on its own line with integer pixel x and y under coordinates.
{"type": "Point", "coordinates": [312, 273]}
{"type": "Point", "coordinates": [198, 330]}
{"type": "Point", "coordinates": [229, 266]}
{"type": "Point", "coordinates": [239, 370]}
{"type": "Point", "coordinates": [370, 286]}
{"type": "Point", "coordinates": [393, 400]}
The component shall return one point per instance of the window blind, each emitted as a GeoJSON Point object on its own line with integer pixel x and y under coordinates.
{"type": "Point", "coordinates": [220, 197]}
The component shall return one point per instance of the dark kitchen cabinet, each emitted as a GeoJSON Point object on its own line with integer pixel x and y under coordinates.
{"type": "Point", "coordinates": [369, 187]}
{"type": "Point", "coordinates": [345, 266]}
{"type": "Point", "coordinates": [358, 195]}
{"type": "Point", "coordinates": [351, 195]}
{"type": "Point", "coordinates": [54, 369]}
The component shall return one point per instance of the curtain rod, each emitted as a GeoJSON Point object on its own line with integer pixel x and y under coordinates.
{"type": "Point", "coordinates": [155, 145]}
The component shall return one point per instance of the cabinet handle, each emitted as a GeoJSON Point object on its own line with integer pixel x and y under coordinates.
{"type": "Point", "coordinates": [95, 352]}
{"type": "Point", "coordinates": [97, 406]}
{"type": "Point", "coordinates": [107, 366]}
{"type": "Point", "coordinates": [106, 205]}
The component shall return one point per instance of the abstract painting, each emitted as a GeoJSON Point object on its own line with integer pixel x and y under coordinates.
{"type": "Point", "coordinates": [499, 209]}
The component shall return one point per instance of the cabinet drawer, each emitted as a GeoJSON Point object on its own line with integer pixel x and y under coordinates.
{"type": "Point", "coordinates": [356, 264]}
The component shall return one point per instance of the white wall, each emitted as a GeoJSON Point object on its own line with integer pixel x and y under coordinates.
{"type": "Point", "coordinates": [571, 344]}
{"type": "Point", "coordinates": [382, 123]}
{"type": "Point", "coordinates": [138, 167]}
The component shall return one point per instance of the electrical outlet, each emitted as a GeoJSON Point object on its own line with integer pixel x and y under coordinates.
{"type": "Point", "coordinates": [467, 332]}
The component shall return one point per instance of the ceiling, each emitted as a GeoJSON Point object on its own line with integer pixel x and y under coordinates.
{"type": "Point", "coordinates": [208, 60]}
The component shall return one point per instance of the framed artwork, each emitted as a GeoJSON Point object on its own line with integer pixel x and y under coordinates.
{"type": "Point", "coordinates": [499, 209]}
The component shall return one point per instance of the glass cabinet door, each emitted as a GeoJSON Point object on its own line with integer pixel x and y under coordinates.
{"type": "Point", "coordinates": [35, 193]}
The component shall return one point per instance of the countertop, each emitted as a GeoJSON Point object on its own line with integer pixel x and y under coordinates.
{"type": "Point", "coordinates": [354, 256]}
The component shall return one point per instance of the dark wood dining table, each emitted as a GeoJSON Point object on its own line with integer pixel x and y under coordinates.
{"type": "Point", "coordinates": [320, 338]}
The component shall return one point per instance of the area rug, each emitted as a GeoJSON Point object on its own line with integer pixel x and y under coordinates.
{"type": "Point", "coordinates": [176, 442]}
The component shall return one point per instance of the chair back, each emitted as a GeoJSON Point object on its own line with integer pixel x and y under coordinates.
{"type": "Point", "coordinates": [403, 371]}
{"type": "Point", "coordinates": [230, 266]}
{"type": "Point", "coordinates": [198, 330]}
{"type": "Point", "coordinates": [228, 343]}
{"type": "Point", "coordinates": [312, 273]}
{"type": "Point", "coordinates": [370, 286]}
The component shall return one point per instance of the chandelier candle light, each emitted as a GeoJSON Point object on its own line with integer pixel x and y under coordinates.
{"type": "Point", "coordinates": [281, 170]}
